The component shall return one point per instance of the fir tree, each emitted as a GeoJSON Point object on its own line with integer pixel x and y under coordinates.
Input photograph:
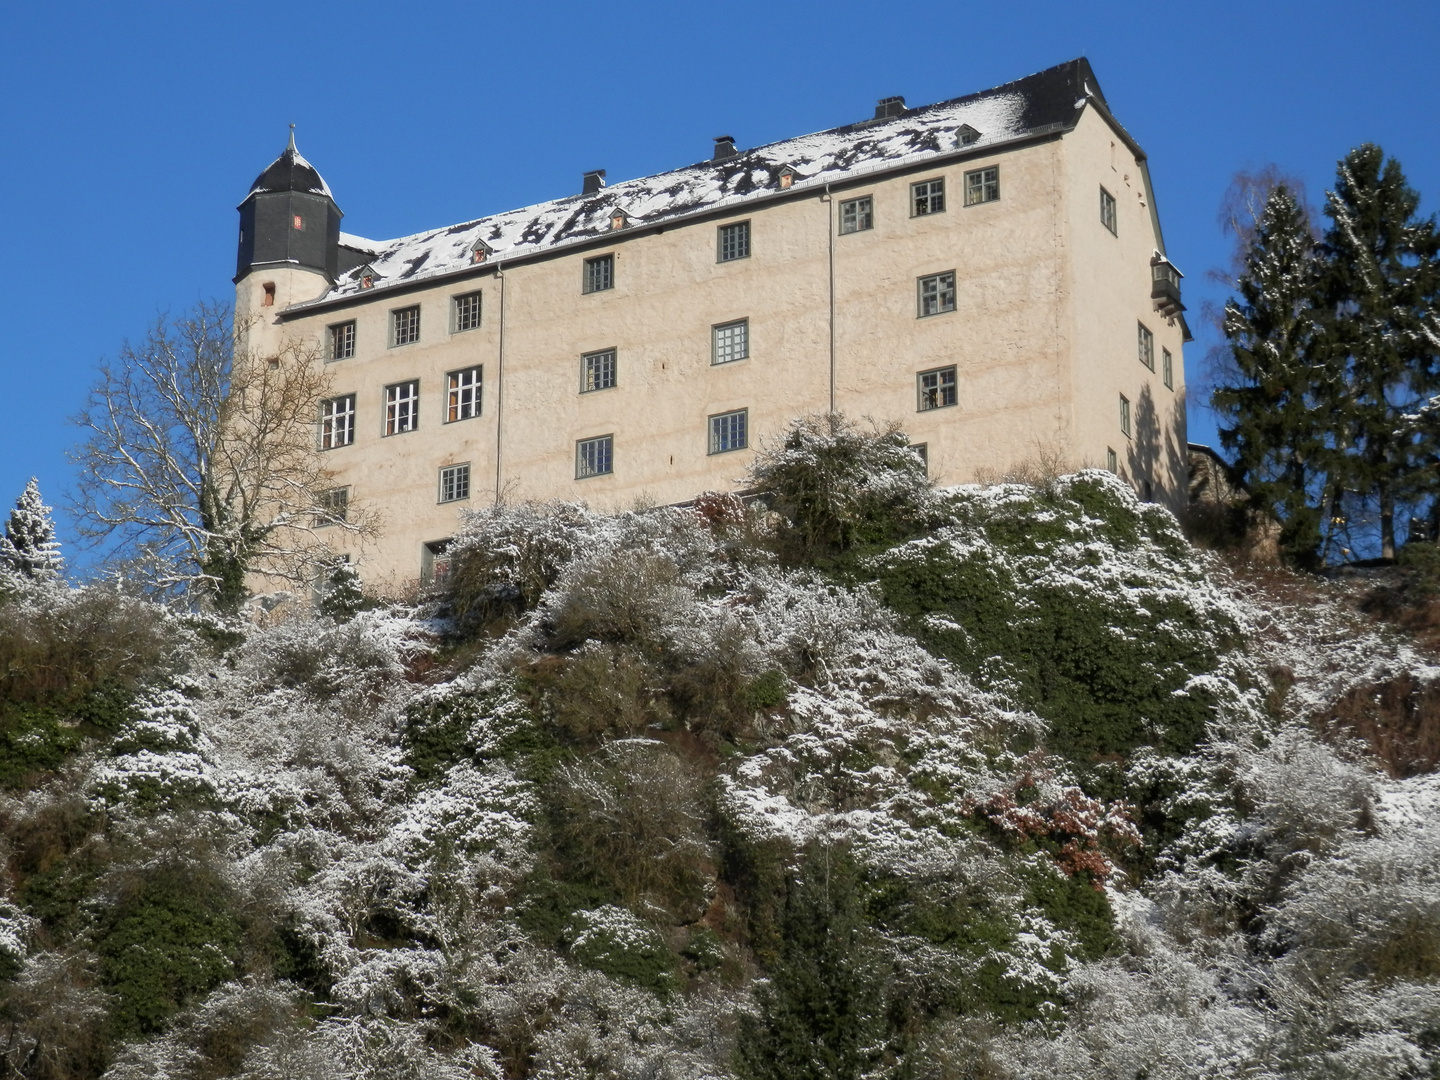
{"type": "Point", "coordinates": [1379, 300]}
{"type": "Point", "coordinates": [29, 548]}
{"type": "Point", "coordinates": [341, 596]}
{"type": "Point", "coordinates": [1272, 398]}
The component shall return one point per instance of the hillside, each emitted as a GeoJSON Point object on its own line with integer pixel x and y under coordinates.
{"type": "Point", "coordinates": [1000, 782]}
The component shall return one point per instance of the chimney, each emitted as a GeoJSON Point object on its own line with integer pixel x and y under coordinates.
{"type": "Point", "coordinates": [887, 107]}
{"type": "Point", "coordinates": [724, 147]}
{"type": "Point", "coordinates": [594, 181]}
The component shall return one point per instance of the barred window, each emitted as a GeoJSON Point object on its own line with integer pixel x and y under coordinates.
{"type": "Point", "coordinates": [466, 312]}
{"type": "Point", "coordinates": [927, 197]}
{"type": "Point", "coordinates": [337, 422]}
{"type": "Point", "coordinates": [982, 185]}
{"type": "Point", "coordinates": [332, 507]}
{"type": "Point", "coordinates": [937, 293]}
{"type": "Point", "coordinates": [729, 431]}
{"type": "Point", "coordinates": [734, 241]}
{"type": "Point", "coordinates": [405, 325]}
{"type": "Point", "coordinates": [1107, 211]}
{"type": "Point", "coordinates": [1147, 346]}
{"type": "Point", "coordinates": [936, 388]}
{"type": "Point", "coordinates": [463, 393]}
{"type": "Point", "coordinates": [597, 371]}
{"type": "Point", "coordinates": [402, 407]}
{"type": "Point", "coordinates": [857, 215]}
{"type": "Point", "coordinates": [342, 340]}
{"type": "Point", "coordinates": [731, 341]}
{"type": "Point", "coordinates": [1125, 415]}
{"type": "Point", "coordinates": [454, 483]}
{"type": "Point", "coordinates": [1167, 368]}
{"type": "Point", "coordinates": [594, 457]}
{"type": "Point", "coordinates": [599, 274]}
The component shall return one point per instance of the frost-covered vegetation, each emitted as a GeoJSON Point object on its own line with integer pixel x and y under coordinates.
{"type": "Point", "coordinates": [885, 781]}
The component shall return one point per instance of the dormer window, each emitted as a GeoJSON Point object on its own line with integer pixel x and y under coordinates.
{"type": "Point", "coordinates": [966, 135]}
{"type": "Point", "coordinates": [787, 177]}
{"type": "Point", "coordinates": [619, 219]}
{"type": "Point", "coordinates": [480, 251]}
{"type": "Point", "coordinates": [366, 275]}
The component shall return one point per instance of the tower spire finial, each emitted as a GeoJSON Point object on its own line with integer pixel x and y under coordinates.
{"type": "Point", "coordinates": [292, 137]}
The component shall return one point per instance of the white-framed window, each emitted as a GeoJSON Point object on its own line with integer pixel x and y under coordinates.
{"type": "Point", "coordinates": [405, 325]}
{"type": "Point", "coordinates": [733, 242]}
{"type": "Point", "coordinates": [982, 185]}
{"type": "Point", "coordinates": [597, 371]}
{"type": "Point", "coordinates": [1107, 211]}
{"type": "Point", "coordinates": [342, 341]}
{"type": "Point", "coordinates": [465, 312]}
{"type": "Point", "coordinates": [455, 483]}
{"type": "Point", "coordinates": [857, 215]}
{"type": "Point", "coordinates": [922, 451]}
{"type": "Point", "coordinates": [936, 293]}
{"type": "Point", "coordinates": [1125, 415]}
{"type": "Point", "coordinates": [731, 341]}
{"type": "Point", "coordinates": [1112, 462]}
{"type": "Point", "coordinates": [936, 388]}
{"type": "Point", "coordinates": [402, 407]}
{"type": "Point", "coordinates": [332, 507]}
{"type": "Point", "coordinates": [463, 393]}
{"type": "Point", "coordinates": [337, 422]}
{"type": "Point", "coordinates": [1167, 368]}
{"type": "Point", "coordinates": [729, 431]}
{"type": "Point", "coordinates": [594, 457]}
{"type": "Point", "coordinates": [1146, 345]}
{"type": "Point", "coordinates": [599, 274]}
{"type": "Point", "coordinates": [927, 197]}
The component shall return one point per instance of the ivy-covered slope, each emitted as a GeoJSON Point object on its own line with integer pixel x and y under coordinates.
{"type": "Point", "coordinates": [879, 781]}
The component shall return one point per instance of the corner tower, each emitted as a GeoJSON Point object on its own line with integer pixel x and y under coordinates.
{"type": "Point", "coordinates": [289, 245]}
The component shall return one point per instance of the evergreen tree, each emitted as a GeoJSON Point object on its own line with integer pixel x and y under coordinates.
{"type": "Point", "coordinates": [341, 597]}
{"type": "Point", "coordinates": [1379, 296]}
{"type": "Point", "coordinates": [29, 547]}
{"type": "Point", "coordinates": [822, 1012]}
{"type": "Point", "coordinates": [1272, 399]}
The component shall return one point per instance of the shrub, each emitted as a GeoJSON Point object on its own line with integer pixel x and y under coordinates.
{"type": "Point", "coordinates": [614, 942]}
{"type": "Point", "coordinates": [622, 596]}
{"type": "Point", "coordinates": [838, 486]}
{"type": "Point", "coordinates": [602, 691]}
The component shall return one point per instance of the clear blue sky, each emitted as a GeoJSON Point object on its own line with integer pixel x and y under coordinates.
{"type": "Point", "coordinates": [129, 132]}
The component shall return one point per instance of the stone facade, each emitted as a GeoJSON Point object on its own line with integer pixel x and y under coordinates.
{"type": "Point", "coordinates": [1053, 282]}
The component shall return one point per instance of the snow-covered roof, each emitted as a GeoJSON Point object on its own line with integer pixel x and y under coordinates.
{"type": "Point", "coordinates": [1049, 100]}
{"type": "Point", "coordinates": [291, 172]}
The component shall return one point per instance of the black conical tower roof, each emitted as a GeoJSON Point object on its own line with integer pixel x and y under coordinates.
{"type": "Point", "coordinates": [291, 172]}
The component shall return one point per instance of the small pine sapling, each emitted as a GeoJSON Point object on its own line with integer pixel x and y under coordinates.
{"type": "Point", "coordinates": [341, 597]}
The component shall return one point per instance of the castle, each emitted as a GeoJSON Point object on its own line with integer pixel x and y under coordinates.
{"type": "Point", "coordinates": [988, 271]}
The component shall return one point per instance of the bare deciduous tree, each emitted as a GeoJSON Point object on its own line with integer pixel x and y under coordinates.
{"type": "Point", "coordinates": [200, 463]}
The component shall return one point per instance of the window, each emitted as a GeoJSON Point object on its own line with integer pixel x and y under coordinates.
{"type": "Point", "coordinates": [927, 197]}
{"type": "Point", "coordinates": [1107, 211]}
{"type": "Point", "coordinates": [937, 388]}
{"type": "Point", "coordinates": [734, 242]}
{"type": "Point", "coordinates": [465, 312]}
{"type": "Point", "coordinates": [729, 431]}
{"type": "Point", "coordinates": [1147, 346]}
{"type": "Point", "coordinates": [332, 507]}
{"type": "Point", "coordinates": [337, 422]}
{"type": "Point", "coordinates": [1167, 368]}
{"type": "Point", "coordinates": [937, 293]}
{"type": "Point", "coordinates": [982, 185]}
{"type": "Point", "coordinates": [402, 407]}
{"type": "Point", "coordinates": [922, 451]}
{"type": "Point", "coordinates": [1111, 461]}
{"type": "Point", "coordinates": [435, 562]}
{"type": "Point", "coordinates": [405, 325]}
{"type": "Point", "coordinates": [732, 342]}
{"type": "Point", "coordinates": [342, 340]}
{"type": "Point", "coordinates": [1125, 415]}
{"type": "Point", "coordinates": [599, 274]}
{"type": "Point", "coordinates": [594, 457]}
{"type": "Point", "coordinates": [463, 393]}
{"type": "Point", "coordinates": [268, 298]}
{"type": "Point", "coordinates": [857, 215]}
{"type": "Point", "coordinates": [454, 483]}
{"type": "Point", "coordinates": [597, 371]}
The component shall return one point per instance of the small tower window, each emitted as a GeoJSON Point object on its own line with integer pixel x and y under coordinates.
{"type": "Point", "coordinates": [268, 298]}
{"type": "Point", "coordinates": [299, 223]}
